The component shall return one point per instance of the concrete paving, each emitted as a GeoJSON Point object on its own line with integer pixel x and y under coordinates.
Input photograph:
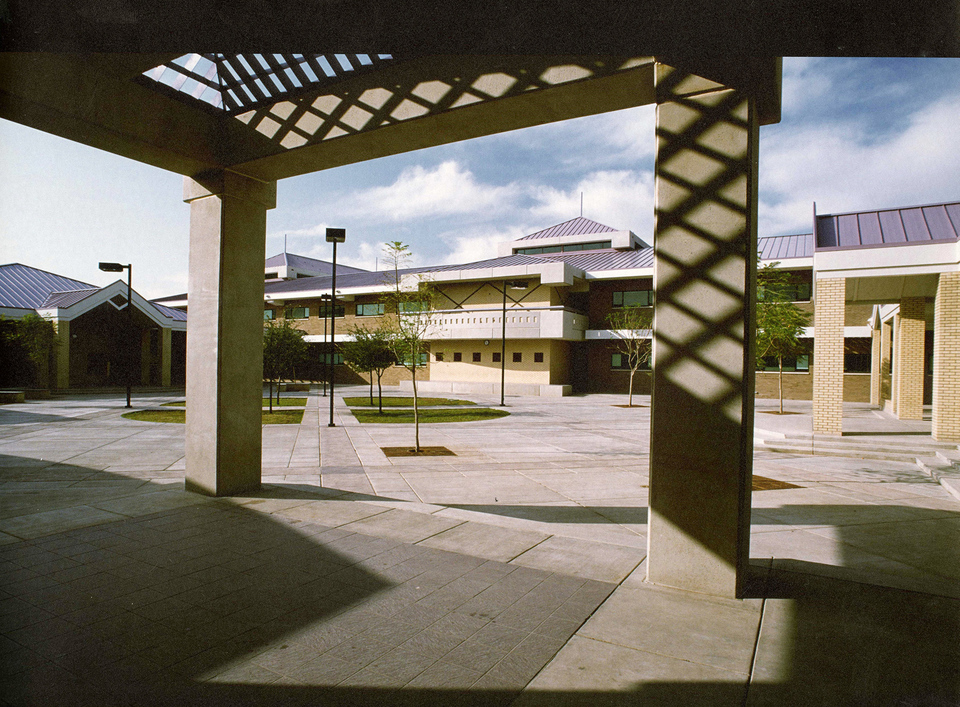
{"type": "Point", "coordinates": [511, 573]}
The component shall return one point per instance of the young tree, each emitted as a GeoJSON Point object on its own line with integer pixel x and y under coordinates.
{"type": "Point", "coordinates": [283, 349]}
{"type": "Point", "coordinates": [36, 340]}
{"type": "Point", "coordinates": [412, 300]}
{"type": "Point", "coordinates": [370, 352]}
{"type": "Point", "coordinates": [631, 326]}
{"type": "Point", "coordinates": [780, 322]}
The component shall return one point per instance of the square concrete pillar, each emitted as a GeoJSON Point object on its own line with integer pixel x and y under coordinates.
{"type": "Point", "coordinates": [830, 303]}
{"type": "Point", "coordinates": [63, 354]}
{"type": "Point", "coordinates": [228, 217]}
{"type": "Point", "coordinates": [166, 356]}
{"type": "Point", "coordinates": [946, 359]}
{"type": "Point", "coordinates": [875, 367]}
{"type": "Point", "coordinates": [705, 240]}
{"type": "Point", "coordinates": [910, 359]}
{"type": "Point", "coordinates": [886, 361]}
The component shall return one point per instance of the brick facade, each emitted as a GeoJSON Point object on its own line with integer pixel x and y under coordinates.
{"type": "Point", "coordinates": [946, 359]}
{"type": "Point", "coordinates": [828, 356]}
{"type": "Point", "coordinates": [909, 358]}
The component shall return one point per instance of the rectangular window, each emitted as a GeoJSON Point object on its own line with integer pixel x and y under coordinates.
{"type": "Point", "coordinates": [633, 298]}
{"type": "Point", "coordinates": [538, 358]}
{"type": "Point", "coordinates": [268, 315]}
{"type": "Point", "coordinates": [476, 357]}
{"type": "Point", "coordinates": [337, 359]}
{"type": "Point", "coordinates": [411, 307]}
{"type": "Point", "coordinates": [517, 357]}
{"type": "Point", "coordinates": [457, 356]}
{"type": "Point", "coordinates": [374, 309]}
{"type": "Point", "coordinates": [324, 312]}
{"type": "Point", "coordinates": [438, 356]}
{"type": "Point", "coordinates": [424, 359]}
{"type": "Point", "coordinates": [296, 313]}
{"type": "Point", "coordinates": [791, 364]}
{"type": "Point", "coordinates": [856, 363]}
{"type": "Point", "coordinates": [496, 357]}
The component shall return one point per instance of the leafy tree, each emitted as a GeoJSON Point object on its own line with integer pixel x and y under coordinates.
{"type": "Point", "coordinates": [412, 301]}
{"type": "Point", "coordinates": [631, 326]}
{"type": "Point", "coordinates": [780, 323]}
{"type": "Point", "coordinates": [283, 350]}
{"type": "Point", "coordinates": [370, 352]}
{"type": "Point", "coordinates": [33, 340]}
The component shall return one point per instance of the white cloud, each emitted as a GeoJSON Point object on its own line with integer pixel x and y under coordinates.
{"type": "Point", "coordinates": [622, 199]}
{"type": "Point", "coordinates": [420, 192]}
{"type": "Point", "coordinates": [843, 168]}
{"type": "Point", "coordinates": [478, 243]}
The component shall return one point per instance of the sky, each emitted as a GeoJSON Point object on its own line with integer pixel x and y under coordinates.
{"type": "Point", "coordinates": [855, 134]}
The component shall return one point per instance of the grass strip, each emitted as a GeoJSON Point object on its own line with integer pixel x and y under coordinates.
{"type": "Point", "coordinates": [428, 416]}
{"type": "Point", "coordinates": [278, 417]}
{"type": "Point", "coordinates": [284, 402]}
{"type": "Point", "coordinates": [402, 402]}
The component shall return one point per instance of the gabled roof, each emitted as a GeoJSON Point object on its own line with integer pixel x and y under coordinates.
{"type": "Point", "coordinates": [786, 247]}
{"type": "Point", "coordinates": [28, 288]}
{"type": "Point", "coordinates": [59, 300]}
{"type": "Point", "coordinates": [908, 225]}
{"type": "Point", "coordinates": [574, 227]}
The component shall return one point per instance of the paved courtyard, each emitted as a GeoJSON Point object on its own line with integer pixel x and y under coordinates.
{"type": "Point", "coordinates": [509, 573]}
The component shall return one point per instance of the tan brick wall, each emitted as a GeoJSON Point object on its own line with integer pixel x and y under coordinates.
{"type": "Point", "coordinates": [799, 386]}
{"type": "Point", "coordinates": [828, 356]}
{"type": "Point", "coordinates": [946, 359]}
{"type": "Point", "coordinates": [875, 365]}
{"type": "Point", "coordinates": [909, 358]}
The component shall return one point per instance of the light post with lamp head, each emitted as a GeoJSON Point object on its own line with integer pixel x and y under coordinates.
{"type": "Point", "coordinates": [117, 267]}
{"type": "Point", "coordinates": [334, 235]}
{"type": "Point", "coordinates": [513, 285]}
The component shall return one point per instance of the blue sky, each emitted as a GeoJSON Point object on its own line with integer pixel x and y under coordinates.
{"type": "Point", "coordinates": [855, 134]}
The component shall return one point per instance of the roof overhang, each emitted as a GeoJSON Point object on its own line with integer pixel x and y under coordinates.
{"type": "Point", "coordinates": [104, 295]}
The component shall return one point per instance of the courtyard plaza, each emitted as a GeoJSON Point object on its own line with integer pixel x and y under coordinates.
{"type": "Point", "coordinates": [510, 573]}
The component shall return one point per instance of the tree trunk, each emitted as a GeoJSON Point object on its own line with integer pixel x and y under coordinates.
{"type": "Point", "coordinates": [270, 395]}
{"type": "Point", "coordinates": [416, 407]}
{"type": "Point", "coordinates": [780, 382]}
{"type": "Point", "coordinates": [380, 391]}
{"type": "Point", "coordinates": [371, 388]}
{"type": "Point", "coordinates": [630, 397]}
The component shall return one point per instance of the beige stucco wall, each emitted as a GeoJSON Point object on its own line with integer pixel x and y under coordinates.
{"type": "Point", "coordinates": [486, 371]}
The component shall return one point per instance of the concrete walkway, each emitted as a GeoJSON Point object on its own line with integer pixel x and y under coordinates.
{"type": "Point", "coordinates": [510, 573]}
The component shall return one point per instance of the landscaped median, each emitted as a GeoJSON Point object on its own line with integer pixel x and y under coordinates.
{"type": "Point", "coordinates": [404, 415]}
{"type": "Point", "coordinates": [277, 417]}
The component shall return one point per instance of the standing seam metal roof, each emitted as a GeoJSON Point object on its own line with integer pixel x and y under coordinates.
{"type": "Point", "coordinates": [786, 247]}
{"type": "Point", "coordinates": [28, 288]}
{"type": "Point", "coordinates": [65, 299]}
{"type": "Point", "coordinates": [574, 227]}
{"type": "Point", "coordinates": [914, 224]}
{"type": "Point", "coordinates": [305, 263]}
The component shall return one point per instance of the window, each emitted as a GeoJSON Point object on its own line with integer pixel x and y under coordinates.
{"type": "Point", "coordinates": [564, 248]}
{"type": "Point", "coordinates": [424, 359]}
{"type": "Point", "coordinates": [374, 309]}
{"type": "Point", "coordinates": [296, 313]}
{"type": "Point", "coordinates": [633, 298]}
{"type": "Point", "coordinates": [476, 357]}
{"type": "Point", "coordinates": [271, 276]}
{"type": "Point", "coordinates": [856, 363]}
{"type": "Point", "coordinates": [412, 307]}
{"type": "Point", "coordinates": [438, 356]}
{"type": "Point", "coordinates": [791, 364]}
{"type": "Point", "coordinates": [517, 357]}
{"type": "Point", "coordinates": [457, 356]}
{"type": "Point", "coordinates": [496, 357]}
{"type": "Point", "coordinates": [324, 312]}
{"type": "Point", "coordinates": [337, 359]}
{"type": "Point", "coordinates": [538, 358]}
{"type": "Point", "coordinates": [268, 315]}
{"type": "Point", "coordinates": [619, 362]}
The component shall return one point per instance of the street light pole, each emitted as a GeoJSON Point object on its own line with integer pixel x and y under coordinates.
{"type": "Point", "coordinates": [118, 267]}
{"type": "Point", "coordinates": [334, 235]}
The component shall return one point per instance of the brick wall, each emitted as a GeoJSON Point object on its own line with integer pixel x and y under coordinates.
{"type": "Point", "coordinates": [910, 358]}
{"type": "Point", "coordinates": [946, 359]}
{"type": "Point", "coordinates": [828, 356]}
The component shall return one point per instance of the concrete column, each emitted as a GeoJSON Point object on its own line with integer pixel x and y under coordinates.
{"type": "Point", "coordinates": [228, 215]}
{"type": "Point", "coordinates": [946, 359]}
{"type": "Point", "coordinates": [886, 341]}
{"type": "Point", "coordinates": [166, 356]}
{"type": "Point", "coordinates": [894, 362]}
{"type": "Point", "coordinates": [830, 301]}
{"type": "Point", "coordinates": [910, 358]}
{"type": "Point", "coordinates": [875, 367]}
{"type": "Point", "coordinates": [701, 442]}
{"type": "Point", "coordinates": [63, 354]}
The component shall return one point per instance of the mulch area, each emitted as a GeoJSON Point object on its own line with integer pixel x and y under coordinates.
{"type": "Point", "coordinates": [424, 452]}
{"type": "Point", "coordinates": [762, 483]}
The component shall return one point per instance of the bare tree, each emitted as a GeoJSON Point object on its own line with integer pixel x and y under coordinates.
{"type": "Point", "coordinates": [631, 326]}
{"type": "Point", "coordinates": [412, 301]}
{"type": "Point", "coordinates": [780, 323]}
